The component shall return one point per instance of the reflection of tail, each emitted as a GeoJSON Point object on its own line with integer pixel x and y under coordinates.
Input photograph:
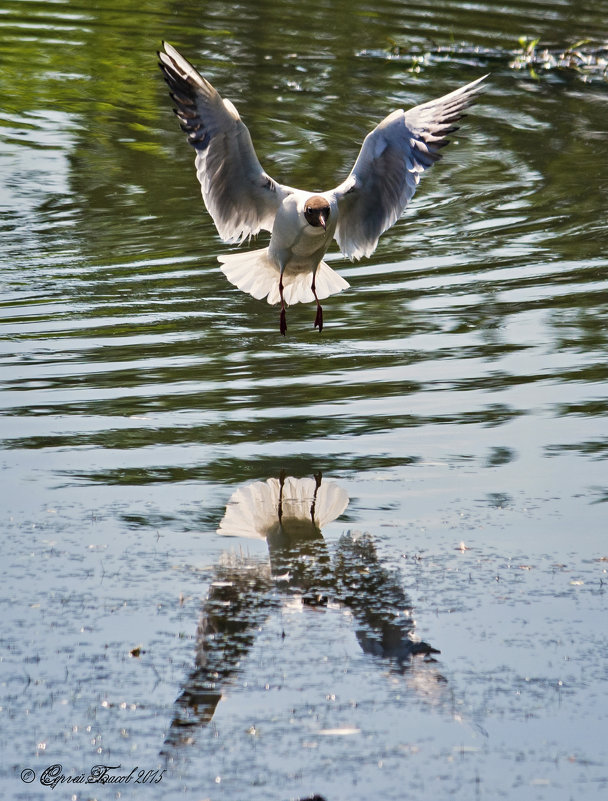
{"type": "Point", "coordinates": [255, 509]}
{"type": "Point", "coordinates": [254, 272]}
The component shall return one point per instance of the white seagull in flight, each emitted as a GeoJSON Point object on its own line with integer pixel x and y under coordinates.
{"type": "Point", "coordinates": [242, 198]}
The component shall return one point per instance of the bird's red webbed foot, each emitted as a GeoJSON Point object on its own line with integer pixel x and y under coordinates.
{"type": "Point", "coordinates": [319, 317]}
{"type": "Point", "coordinates": [282, 319]}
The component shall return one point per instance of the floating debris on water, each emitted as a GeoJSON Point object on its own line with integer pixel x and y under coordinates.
{"type": "Point", "coordinates": [586, 58]}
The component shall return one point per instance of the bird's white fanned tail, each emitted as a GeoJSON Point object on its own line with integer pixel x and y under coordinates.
{"type": "Point", "coordinates": [255, 273]}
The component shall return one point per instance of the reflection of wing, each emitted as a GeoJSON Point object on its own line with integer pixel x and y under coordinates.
{"type": "Point", "coordinates": [237, 605]}
{"type": "Point", "coordinates": [253, 510]}
{"type": "Point", "coordinates": [375, 595]}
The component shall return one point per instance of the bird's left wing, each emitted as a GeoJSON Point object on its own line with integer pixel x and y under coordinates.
{"type": "Point", "coordinates": [239, 195]}
{"type": "Point", "coordinates": [387, 170]}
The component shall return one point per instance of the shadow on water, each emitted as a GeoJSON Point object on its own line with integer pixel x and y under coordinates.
{"type": "Point", "coordinates": [290, 513]}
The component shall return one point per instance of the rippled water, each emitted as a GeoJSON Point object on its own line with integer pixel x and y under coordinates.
{"type": "Point", "coordinates": [456, 398]}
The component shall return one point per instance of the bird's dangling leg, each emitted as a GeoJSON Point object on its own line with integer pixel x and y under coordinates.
{"type": "Point", "coordinates": [319, 317]}
{"type": "Point", "coordinates": [283, 321]}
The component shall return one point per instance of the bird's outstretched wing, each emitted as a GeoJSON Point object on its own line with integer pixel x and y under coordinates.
{"type": "Point", "coordinates": [239, 195]}
{"type": "Point", "coordinates": [388, 167]}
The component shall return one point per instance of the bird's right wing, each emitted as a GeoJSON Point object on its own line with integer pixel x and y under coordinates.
{"type": "Point", "coordinates": [239, 195]}
{"type": "Point", "coordinates": [387, 170]}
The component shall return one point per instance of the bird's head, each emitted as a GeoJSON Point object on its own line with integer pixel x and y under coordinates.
{"type": "Point", "coordinates": [316, 211]}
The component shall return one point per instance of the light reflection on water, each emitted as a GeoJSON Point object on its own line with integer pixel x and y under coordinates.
{"type": "Point", "coordinates": [457, 394]}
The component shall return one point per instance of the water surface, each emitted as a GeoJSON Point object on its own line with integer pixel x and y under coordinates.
{"type": "Point", "coordinates": [457, 397]}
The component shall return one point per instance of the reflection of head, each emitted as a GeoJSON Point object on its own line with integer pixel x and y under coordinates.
{"type": "Point", "coordinates": [299, 507]}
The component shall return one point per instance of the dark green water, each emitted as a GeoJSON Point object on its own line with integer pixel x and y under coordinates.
{"type": "Point", "coordinates": [457, 395]}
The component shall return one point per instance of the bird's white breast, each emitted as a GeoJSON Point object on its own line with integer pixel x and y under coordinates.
{"type": "Point", "coordinates": [296, 245]}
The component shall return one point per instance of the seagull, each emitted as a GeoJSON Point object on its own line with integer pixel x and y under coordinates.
{"type": "Point", "coordinates": [243, 199]}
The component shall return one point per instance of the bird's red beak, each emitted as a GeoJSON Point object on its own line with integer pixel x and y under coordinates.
{"type": "Point", "coordinates": [323, 222]}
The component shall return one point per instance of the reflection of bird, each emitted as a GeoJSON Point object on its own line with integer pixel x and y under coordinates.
{"type": "Point", "coordinates": [289, 513]}
{"type": "Point", "coordinates": [243, 199]}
